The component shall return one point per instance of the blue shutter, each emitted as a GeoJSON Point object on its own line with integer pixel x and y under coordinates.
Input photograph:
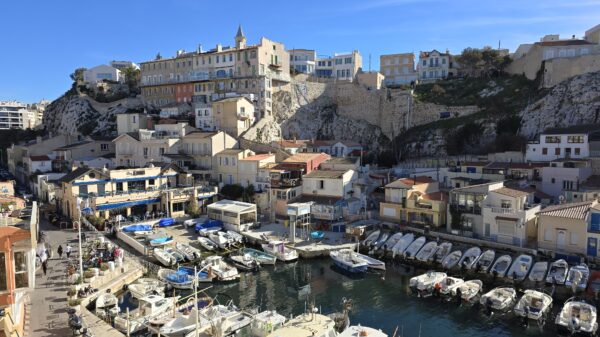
{"type": "Point", "coordinates": [595, 223]}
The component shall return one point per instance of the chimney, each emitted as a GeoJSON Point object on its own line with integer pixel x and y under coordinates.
{"type": "Point", "coordinates": [199, 50]}
{"type": "Point", "coordinates": [219, 47]}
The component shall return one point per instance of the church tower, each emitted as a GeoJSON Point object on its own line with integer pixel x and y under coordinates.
{"type": "Point", "coordinates": [240, 39]}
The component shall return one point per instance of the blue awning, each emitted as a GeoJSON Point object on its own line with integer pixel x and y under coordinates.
{"type": "Point", "coordinates": [127, 204]}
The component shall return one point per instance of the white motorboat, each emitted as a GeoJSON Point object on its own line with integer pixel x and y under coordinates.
{"type": "Point", "coordinates": [149, 308]}
{"type": "Point", "coordinates": [349, 261]}
{"type": "Point", "coordinates": [177, 278]}
{"type": "Point", "coordinates": [500, 298]}
{"type": "Point", "coordinates": [261, 257]}
{"type": "Point", "coordinates": [402, 244]}
{"type": "Point", "coordinates": [557, 272]}
{"type": "Point", "coordinates": [469, 258]}
{"type": "Point", "coordinates": [425, 282]}
{"type": "Point", "coordinates": [442, 251]}
{"type": "Point", "coordinates": [391, 242]}
{"type": "Point", "coordinates": [578, 277]}
{"type": "Point", "coordinates": [449, 284]}
{"type": "Point", "coordinates": [371, 238]}
{"type": "Point", "coordinates": [107, 305]}
{"type": "Point", "coordinates": [468, 291]}
{"type": "Point", "coordinates": [373, 262]}
{"type": "Point", "coordinates": [235, 238]}
{"type": "Point", "coordinates": [520, 268]}
{"type": "Point", "coordinates": [266, 322]}
{"type": "Point", "coordinates": [144, 287]}
{"type": "Point", "coordinates": [188, 251]}
{"type": "Point", "coordinates": [426, 253]}
{"type": "Point", "coordinates": [207, 243]}
{"type": "Point", "coordinates": [181, 324]}
{"type": "Point", "coordinates": [533, 305]}
{"type": "Point", "coordinates": [485, 261]}
{"type": "Point", "coordinates": [412, 250]}
{"type": "Point", "coordinates": [500, 267]}
{"type": "Point", "coordinates": [165, 258]}
{"type": "Point", "coordinates": [578, 317]}
{"type": "Point", "coordinates": [215, 265]}
{"type": "Point", "coordinates": [538, 271]}
{"type": "Point", "coordinates": [282, 252]}
{"type": "Point", "coordinates": [244, 262]}
{"type": "Point", "coordinates": [214, 318]}
{"type": "Point", "coordinates": [380, 240]}
{"type": "Point", "coordinates": [307, 324]}
{"type": "Point", "coordinates": [451, 260]}
{"type": "Point", "coordinates": [358, 330]}
{"type": "Point", "coordinates": [179, 257]}
{"type": "Point", "coordinates": [220, 238]}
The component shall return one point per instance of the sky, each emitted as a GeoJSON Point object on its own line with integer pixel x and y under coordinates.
{"type": "Point", "coordinates": [42, 42]}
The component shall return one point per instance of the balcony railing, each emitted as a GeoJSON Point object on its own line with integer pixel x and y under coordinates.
{"type": "Point", "coordinates": [500, 210]}
{"type": "Point", "coordinates": [466, 209]}
{"type": "Point", "coordinates": [286, 182]}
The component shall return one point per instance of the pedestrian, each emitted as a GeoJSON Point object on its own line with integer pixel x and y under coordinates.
{"type": "Point", "coordinates": [68, 250]}
{"type": "Point", "coordinates": [82, 236]}
{"type": "Point", "coordinates": [60, 251]}
{"type": "Point", "coordinates": [45, 266]}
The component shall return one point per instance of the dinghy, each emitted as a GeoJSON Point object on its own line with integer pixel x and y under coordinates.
{"type": "Point", "coordinates": [451, 260]}
{"type": "Point", "coordinates": [223, 271]}
{"type": "Point", "coordinates": [181, 324]}
{"type": "Point", "coordinates": [349, 261]}
{"type": "Point", "coordinates": [201, 273]}
{"type": "Point", "coordinates": [262, 258]}
{"type": "Point", "coordinates": [149, 308]}
{"type": "Point", "coordinates": [402, 244]}
{"type": "Point", "coordinates": [234, 237]}
{"type": "Point", "coordinates": [412, 250]}
{"type": "Point", "coordinates": [533, 305]}
{"type": "Point", "coordinates": [159, 239]}
{"type": "Point", "coordinates": [175, 253]}
{"type": "Point", "coordinates": [207, 243]}
{"type": "Point", "coordinates": [359, 330]}
{"type": "Point", "coordinates": [485, 261]}
{"type": "Point", "coordinates": [317, 235]}
{"type": "Point", "coordinates": [244, 262]}
{"type": "Point", "coordinates": [282, 252]}
{"type": "Point", "coordinates": [144, 287]}
{"type": "Point", "coordinates": [442, 251]}
{"type": "Point", "coordinates": [177, 279]}
{"type": "Point", "coordinates": [188, 251]}
{"type": "Point", "coordinates": [538, 271]}
{"type": "Point", "coordinates": [469, 258]}
{"type": "Point", "coordinates": [449, 284]}
{"type": "Point", "coordinates": [520, 268]}
{"type": "Point", "coordinates": [373, 262]}
{"type": "Point", "coordinates": [166, 222]}
{"type": "Point", "coordinates": [577, 317]}
{"type": "Point", "coordinates": [381, 240]}
{"type": "Point", "coordinates": [391, 242]}
{"type": "Point", "coordinates": [107, 305]}
{"type": "Point", "coordinates": [425, 282]}
{"type": "Point", "coordinates": [163, 257]}
{"type": "Point", "coordinates": [557, 272]}
{"type": "Point", "coordinates": [578, 277]}
{"type": "Point", "coordinates": [500, 298]}
{"type": "Point", "coordinates": [501, 265]}
{"type": "Point", "coordinates": [371, 238]}
{"type": "Point", "coordinates": [208, 226]}
{"type": "Point", "coordinates": [426, 253]}
{"type": "Point", "coordinates": [220, 238]}
{"type": "Point", "coordinates": [468, 290]}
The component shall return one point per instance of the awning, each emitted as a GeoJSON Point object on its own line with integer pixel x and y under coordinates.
{"type": "Point", "coordinates": [127, 204]}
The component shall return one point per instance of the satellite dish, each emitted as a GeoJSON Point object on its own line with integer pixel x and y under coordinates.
{"type": "Point", "coordinates": [561, 199]}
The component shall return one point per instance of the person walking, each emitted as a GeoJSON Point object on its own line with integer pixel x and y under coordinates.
{"type": "Point", "coordinates": [68, 250]}
{"type": "Point", "coordinates": [45, 266]}
{"type": "Point", "coordinates": [60, 251]}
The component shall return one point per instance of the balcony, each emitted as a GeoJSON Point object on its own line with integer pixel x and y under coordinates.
{"type": "Point", "coordinates": [500, 210]}
{"type": "Point", "coordinates": [466, 209]}
{"type": "Point", "coordinates": [284, 183]}
{"type": "Point", "coordinates": [275, 64]}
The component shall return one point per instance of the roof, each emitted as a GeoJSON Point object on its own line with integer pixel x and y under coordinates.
{"type": "Point", "coordinates": [233, 99]}
{"type": "Point", "coordinates": [581, 128]}
{"type": "Point", "coordinates": [511, 165]}
{"type": "Point", "coordinates": [261, 156]}
{"type": "Point", "coordinates": [178, 156]}
{"type": "Point", "coordinates": [240, 32]}
{"type": "Point", "coordinates": [571, 42]}
{"type": "Point", "coordinates": [576, 210]}
{"type": "Point", "coordinates": [71, 176]}
{"type": "Point", "coordinates": [39, 158]}
{"type": "Point", "coordinates": [426, 53]}
{"type": "Point", "coordinates": [318, 199]}
{"type": "Point", "coordinates": [302, 157]}
{"type": "Point", "coordinates": [439, 196]}
{"type": "Point", "coordinates": [471, 181]}
{"type": "Point", "coordinates": [348, 143]}
{"type": "Point", "coordinates": [200, 134]}
{"type": "Point", "coordinates": [230, 151]}
{"type": "Point", "coordinates": [291, 143]}
{"type": "Point", "coordinates": [511, 192]}
{"type": "Point", "coordinates": [233, 206]}
{"type": "Point", "coordinates": [326, 174]}
{"type": "Point", "coordinates": [342, 160]}
{"type": "Point", "coordinates": [402, 182]}
{"type": "Point", "coordinates": [472, 163]}
{"type": "Point", "coordinates": [66, 147]}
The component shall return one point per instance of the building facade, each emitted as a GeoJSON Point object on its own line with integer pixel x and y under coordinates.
{"type": "Point", "coordinates": [398, 69]}
{"type": "Point", "coordinates": [233, 115]}
{"type": "Point", "coordinates": [102, 73]}
{"type": "Point", "coordinates": [434, 65]}
{"type": "Point", "coordinates": [560, 143]}
{"type": "Point", "coordinates": [342, 66]}
{"type": "Point", "coordinates": [303, 60]}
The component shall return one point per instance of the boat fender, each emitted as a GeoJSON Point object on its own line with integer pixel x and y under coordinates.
{"type": "Point", "coordinates": [125, 287]}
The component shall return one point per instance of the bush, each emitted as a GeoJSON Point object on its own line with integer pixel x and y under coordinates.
{"type": "Point", "coordinates": [74, 302]}
{"type": "Point", "coordinates": [72, 291]}
{"type": "Point", "coordinates": [233, 191]}
{"type": "Point", "coordinates": [104, 266]}
{"type": "Point", "coordinates": [88, 273]}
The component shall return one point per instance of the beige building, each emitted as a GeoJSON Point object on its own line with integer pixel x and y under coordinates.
{"type": "Point", "coordinates": [564, 228]}
{"type": "Point", "coordinates": [434, 65]}
{"type": "Point", "coordinates": [398, 69]}
{"type": "Point", "coordinates": [249, 167]}
{"type": "Point", "coordinates": [131, 122]}
{"type": "Point", "coordinates": [233, 115]}
{"type": "Point", "coordinates": [66, 156]}
{"type": "Point", "coordinates": [370, 80]}
{"type": "Point", "coordinates": [226, 164]}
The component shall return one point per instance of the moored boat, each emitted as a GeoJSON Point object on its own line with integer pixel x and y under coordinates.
{"type": "Point", "coordinates": [207, 243]}
{"type": "Point", "coordinates": [372, 262]}
{"type": "Point", "coordinates": [244, 262]}
{"type": "Point", "coordinates": [500, 298]}
{"type": "Point", "coordinates": [578, 277]}
{"type": "Point", "coordinates": [520, 268]}
{"type": "Point", "coordinates": [449, 284]}
{"type": "Point", "coordinates": [557, 272]}
{"type": "Point", "coordinates": [349, 261]}
{"type": "Point", "coordinates": [177, 279]}
{"type": "Point", "coordinates": [485, 261]}
{"type": "Point", "coordinates": [223, 271]}
{"type": "Point", "coordinates": [266, 322]}
{"type": "Point", "coordinates": [533, 305]}
{"type": "Point", "coordinates": [221, 239]}
{"type": "Point", "coordinates": [145, 286]}
{"type": "Point", "coordinates": [538, 271]}
{"type": "Point", "coordinates": [307, 324]}
{"type": "Point", "coordinates": [107, 305]}
{"type": "Point", "coordinates": [425, 282]}
{"type": "Point", "coordinates": [469, 258]}
{"type": "Point", "coordinates": [165, 258]}
{"type": "Point", "coordinates": [402, 244]}
{"type": "Point", "coordinates": [391, 242]}
{"type": "Point", "coordinates": [380, 241]}
{"type": "Point", "coordinates": [261, 257]}
{"type": "Point", "coordinates": [451, 260]}
{"type": "Point", "coordinates": [442, 251]}
{"type": "Point", "coordinates": [578, 316]}
{"type": "Point", "coordinates": [282, 252]}
{"type": "Point", "coordinates": [469, 290]}
{"type": "Point", "coordinates": [149, 308]}
{"type": "Point", "coordinates": [358, 330]}
{"type": "Point", "coordinates": [179, 257]}
{"type": "Point", "coordinates": [188, 251]}
{"type": "Point", "coordinates": [368, 241]}
{"type": "Point", "coordinates": [500, 267]}
{"type": "Point", "coordinates": [426, 253]}
{"type": "Point", "coordinates": [201, 273]}
{"type": "Point", "coordinates": [412, 250]}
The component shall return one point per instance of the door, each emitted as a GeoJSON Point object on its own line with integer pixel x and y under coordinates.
{"type": "Point", "coordinates": [487, 230]}
{"type": "Point", "coordinates": [561, 238]}
{"type": "Point", "coordinates": [592, 247]}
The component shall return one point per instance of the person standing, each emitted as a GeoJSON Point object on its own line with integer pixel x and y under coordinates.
{"type": "Point", "coordinates": [45, 266]}
{"type": "Point", "coordinates": [60, 251]}
{"type": "Point", "coordinates": [68, 250]}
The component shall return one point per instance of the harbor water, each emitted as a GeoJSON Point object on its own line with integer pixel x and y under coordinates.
{"type": "Point", "coordinates": [379, 300]}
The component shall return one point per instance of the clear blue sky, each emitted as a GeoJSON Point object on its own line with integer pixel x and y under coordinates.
{"type": "Point", "coordinates": [43, 41]}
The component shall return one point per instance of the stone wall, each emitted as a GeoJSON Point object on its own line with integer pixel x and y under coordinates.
{"type": "Point", "coordinates": [560, 69]}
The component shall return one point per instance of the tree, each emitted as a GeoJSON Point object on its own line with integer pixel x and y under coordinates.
{"type": "Point", "coordinates": [192, 208]}
{"type": "Point", "coordinates": [77, 75]}
{"type": "Point", "coordinates": [132, 78]}
{"type": "Point", "coordinates": [486, 61]}
{"type": "Point", "coordinates": [232, 191]}
{"type": "Point", "coordinates": [248, 195]}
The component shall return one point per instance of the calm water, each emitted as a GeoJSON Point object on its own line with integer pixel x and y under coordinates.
{"type": "Point", "coordinates": [383, 303]}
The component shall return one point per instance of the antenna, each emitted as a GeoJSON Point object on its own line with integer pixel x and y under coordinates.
{"type": "Point", "coordinates": [369, 62]}
{"type": "Point", "coordinates": [499, 44]}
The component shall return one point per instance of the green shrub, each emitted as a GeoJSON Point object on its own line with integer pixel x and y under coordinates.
{"type": "Point", "coordinates": [74, 302]}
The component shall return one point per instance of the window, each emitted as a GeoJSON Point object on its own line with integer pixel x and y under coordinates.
{"type": "Point", "coordinates": [544, 150]}
{"type": "Point", "coordinates": [557, 151]}
{"type": "Point", "coordinates": [119, 187]}
{"type": "Point", "coordinates": [505, 204]}
{"type": "Point", "coordinates": [150, 181]}
{"type": "Point", "coordinates": [424, 62]}
{"type": "Point", "coordinates": [178, 206]}
{"type": "Point", "coordinates": [575, 139]}
{"type": "Point", "coordinates": [547, 235]}
{"type": "Point", "coordinates": [161, 151]}
{"type": "Point", "coordinates": [553, 180]}
{"type": "Point", "coordinates": [3, 285]}
{"type": "Point", "coordinates": [574, 238]}
{"type": "Point", "coordinates": [567, 185]}
{"type": "Point", "coordinates": [21, 274]}
{"type": "Point", "coordinates": [145, 151]}
{"type": "Point", "coordinates": [577, 151]}
{"type": "Point", "coordinates": [321, 184]}
{"type": "Point", "coordinates": [552, 139]}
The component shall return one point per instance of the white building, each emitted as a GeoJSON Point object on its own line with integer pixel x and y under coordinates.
{"type": "Point", "coordinates": [205, 120]}
{"type": "Point", "coordinates": [101, 73]}
{"type": "Point", "coordinates": [131, 122]}
{"type": "Point", "coordinates": [16, 115]}
{"type": "Point", "coordinates": [560, 143]}
{"type": "Point", "coordinates": [342, 66]}
{"type": "Point", "coordinates": [236, 215]}
{"type": "Point", "coordinates": [433, 66]}
{"type": "Point", "coordinates": [564, 174]}
{"type": "Point", "coordinates": [121, 65]}
{"type": "Point", "coordinates": [303, 60]}
{"type": "Point", "coordinates": [38, 164]}
{"type": "Point", "coordinates": [398, 69]}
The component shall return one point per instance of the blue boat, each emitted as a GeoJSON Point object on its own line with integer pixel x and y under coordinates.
{"type": "Point", "coordinates": [203, 276]}
{"type": "Point", "coordinates": [317, 234]}
{"type": "Point", "coordinates": [137, 228]}
{"type": "Point", "coordinates": [161, 241]}
{"type": "Point", "coordinates": [178, 279]}
{"type": "Point", "coordinates": [349, 261]}
{"type": "Point", "coordinates": [209, 225]}
{"type": "Point", "coordinates": [166, 222]}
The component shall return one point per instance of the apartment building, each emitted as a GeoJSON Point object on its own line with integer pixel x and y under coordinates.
{"type": "Point", "coordinates": [434, 65]}
{"type": "Point", "coordinates": [249, 167]}
{"type": "Point", "coordinates": [398, 69]}
{"type": "Point", "coordinates": [16, 115]}
{"type": "Point", "coordinates": [341, 66]}
{"type": "Point", "coordinates": [132, 122]}
{"type": "Point", "coordinates": [252, 70]}
{"type": "Point", "coordinates": [465, 206]}
{"type": "Point", "coordinates": [233, 115]}
{"type": "Point", "coordinates": [564, 175]}
{"type": "Point", "coordinates": [122, 65]}
{"type": "Point", "coordinates": [335, 148]}
{"type": "Point", "coordinates": [332, 194]}
{"type": "Point", "coordinates": [303, 60]}
{"type": "Point", "coordinates": [65, 156]}
{"type": "Point", "coordinates": [575, 142]}
{"type": "Point", "coordinates": [226, 165]}
{"type": "Point", "coordinates": [102, 73]}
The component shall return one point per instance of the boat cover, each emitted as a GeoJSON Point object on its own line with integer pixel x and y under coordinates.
{"type": "Point", "coordinates": [209, 223]}
{"type": "Point", "coordinates": [137, 228]}
{"type": "Point", "coordinates": [166, 222]}
{"type": "Point", "coordinates": [317, 235]}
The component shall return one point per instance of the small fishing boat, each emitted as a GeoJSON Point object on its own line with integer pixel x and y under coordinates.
{"type": "Point", "coordinates": [485, 261]}
{"type": "Point", "coordinates": [442, 251]}
{"type": "Point", "coordinates": [208, 226]}
{"type": "Point", "coordinates": [380, 241]}
{"type": "Point", "coordinates": [577, 317]}
{"type": "Point", "coordinates": [176, 278]}
{"type": "Point", "coordinates": [349, 261]}
{"type": "Point", "coordinates": [244, 262]}
{"type": "Point", "coordinates": [425, 282]}
{"type": "Point", "coordinates": [317, 235]}
{"type": "Point", "coordinates": [107, 305]}
{"type": "Point", "coordinates": [557, 272]}
{"type": "Point", "coordinates": [226, 319]}
{"type": "Point", "coordinates": [469, 290]}
{"type": "Point", "coordinates": [306, 324]}
{"type": "Point", "coordinates": [166, 222]}
{"type": "Point", "coordinates": [220, 238]}
{"type": "Point", "coordinates": [207, 243]}
{"type": "Point", "coordinates": [175, 253]}
{"type": "Point", "coordinates": [181, 324]}
{"type": "Point", "coordinates": [282, 252]}
{"type": "Point", "coordinates": [500, 298]}
{"type": "Point", "coordinates": [501, 265]}
{"type": "Point", "coordinates": [235, 238]}
{"type": "Point", "coordinates": [137, 229]}
{"type": "Point", "coordinates": [402, 244]}
{"type": "Point", "coordinates": [373, 262]}
{"type": "Point", "coordinates": [451, 260]}
{"type": "Point", "coordinates": [215, 265]}
{"type": "Point", "coordinates": [371, 238]}
{"type": "Point", "coordinates": [426, 253]}
{"type": "Point", "coordinates": [165, 258]}
{"type": "Point", "coordinates": [144, 287]}
{"type": "Point", "coordinates": [159, 239]}
{"type": "Point", "coordinates": [261, 257]}
{"type": "Point", "coordinates": [469, 258]}
{"type": "Point", "coordinates": [578, 277]}
{"type": "Point", "coordinates": [266, 322]}
{"type": "Point", "coordinates": [358, 330]}
{"type": "Point", "coordinates": [201, 273]}
{"type": "Point", "coordinates": [391, 242]}
{"type": "Point", "coordinates": [188, 251]}
{"type": "Point", "coordinates": [149, 308]}
{"type": "Point", "coordinates": [520, 268]}
{"type": "Point", "coordinates": [533, 305]}
{"type": "Point", "coordinates": [538, 271]}
{"type": "Point", "coordinates": [412, 250]}
{"type": "Point", "coordinates": [449, 284]}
